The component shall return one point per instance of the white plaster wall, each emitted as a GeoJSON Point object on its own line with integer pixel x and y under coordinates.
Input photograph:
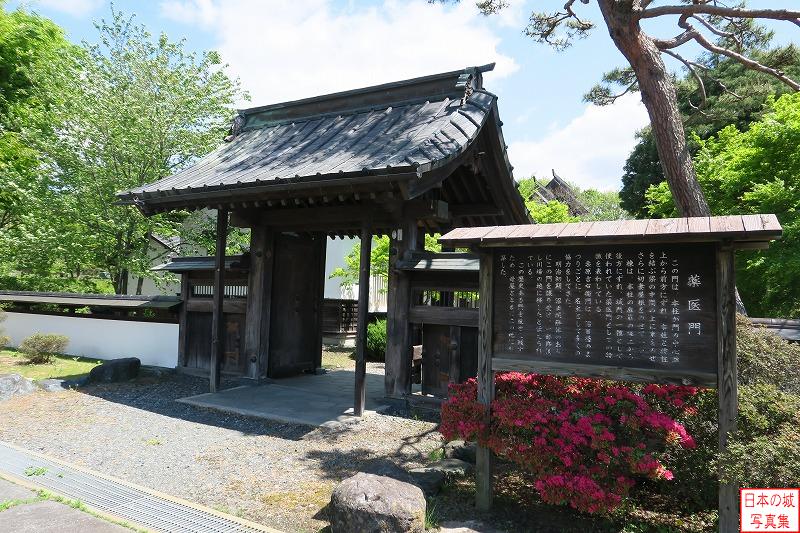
{"type": "Point", "coordinates": [336, 251]}
{"type": "Point", "coordinates": [152, 342]}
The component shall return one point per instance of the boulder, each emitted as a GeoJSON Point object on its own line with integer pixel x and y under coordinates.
{"type": "Point", "coordinates": [458, 449]}
{"type": "Point", "coordinates": [15, 385]}
{"type": "Point", "coordinates": [115, 370]}
{"type": "Point", "coordinates": [367, 503]}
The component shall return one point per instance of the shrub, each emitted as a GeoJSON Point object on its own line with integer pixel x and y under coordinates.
{"type": "Point", "coordinates": [585, 441]}
{"type": "Point", "coordinates": [764, 357]}
{"type": "Point", "coordinates": [766, 444]}
{"type": "Point", "coordinates": [540, 423]}
{"type": "Point", "coordinates": [41, 347]}
{"type": "Point", "coordinates": [376, 341]}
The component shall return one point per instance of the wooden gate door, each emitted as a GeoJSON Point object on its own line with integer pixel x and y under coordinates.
{"type": "Point", "coordinates": [296, 316]}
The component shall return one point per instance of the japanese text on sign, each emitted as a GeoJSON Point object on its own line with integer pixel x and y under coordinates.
{"type": "Point", "coordinates": [642, 306]}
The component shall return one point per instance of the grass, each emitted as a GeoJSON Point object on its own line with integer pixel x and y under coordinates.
{"type": "Point", "coordinates": [334, 357]}
{"type": "Point", "coordinates": [62, 367]}
{"type": "Point", "coordinates": [431, 516]}
{"type": "Point", "coordinates": [436, 455]}
{"type": "Point", "coordinates": [35, 471]}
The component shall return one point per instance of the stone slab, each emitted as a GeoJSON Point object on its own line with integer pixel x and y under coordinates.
{"type": "Point", "coordinates": [53, 517]}
{"type": "Point", "coordinates": [12, 491]}
{"type": "Point", "coordinates": [324, 400]}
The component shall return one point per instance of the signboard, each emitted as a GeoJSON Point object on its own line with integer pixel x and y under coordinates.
{"type": "Point", "coordinates": [642, 307]}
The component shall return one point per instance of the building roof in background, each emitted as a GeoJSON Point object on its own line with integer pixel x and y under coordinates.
{"type": "Point", "coordinates": [90, 300]}
{"type": "Point", "coordinates": [188, 264]}
{"type": "Point", "coordinates": [558, 189]}
{"type": "Point", "coordinates": [441, 261]}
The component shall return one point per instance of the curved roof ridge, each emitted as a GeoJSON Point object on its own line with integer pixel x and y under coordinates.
{"type": "Point", "coordinates": [432, 87]}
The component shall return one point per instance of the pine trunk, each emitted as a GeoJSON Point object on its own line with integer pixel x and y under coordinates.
{"type": "Point", "coordinates": [661, 101]}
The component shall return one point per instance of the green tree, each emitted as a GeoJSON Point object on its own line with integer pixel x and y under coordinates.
{"type": "Point", "coordinates": [602, 205]}
{"type": "Point", "coordinates": [728, 93]}
{"type": "Point", "coordinates": [34, 55]}
{"type": "Point", "coordinates": [756, 171]}
{"type": "Point", "coordinates": [379, 259]}
{"type": "Point", "coordinates": [144, 107]}
{"type": "Point", "coordinates": [646, 72]}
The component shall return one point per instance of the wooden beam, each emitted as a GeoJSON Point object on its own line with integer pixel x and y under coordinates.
{"type": "Point", "coordinates": [727, 378]}
{"type": "Point", "coordinates": [398, 328]}
{"type": "Point", "coordinates": [363, 310]}
{"type": "Point", "coordinates": [217, 317]}
{"type": "Point", "coordinates": [484, 461]}
{"type": "Point", "coordinates": [466, 210]}
{"type": "Point", "coordinates": [317, 216]}
{"type": "Point", "coordinates": [421, 209]}
{"type": "Point", "coordinates": [322, 251]}
{"type": "Point", "coordinates": [183, 318]}
{"type": "Point", "coordinates": [259, 301]}
{"type": "Point", "coordinates": [445, 316]}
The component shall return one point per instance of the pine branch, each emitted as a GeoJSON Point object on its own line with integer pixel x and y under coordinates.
{"type": "Point", "coordinates": [720, 11]}
{"type": "Point", "coordinates": [700, 39]}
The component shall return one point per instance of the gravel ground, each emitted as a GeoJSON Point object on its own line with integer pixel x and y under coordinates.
{"type": "Point", "coordinates": [277, 474]}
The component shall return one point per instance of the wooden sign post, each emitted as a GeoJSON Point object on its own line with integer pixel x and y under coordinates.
{"type": "Point", "coordinates": [645, 300]}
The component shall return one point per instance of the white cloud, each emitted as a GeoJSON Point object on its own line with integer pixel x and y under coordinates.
{"type": "Point", "coordinates": [76, 8]}
{"type": "Point", "coordinates": [590, 150]}
{"type": "Point", "coordinates": [285, 50]}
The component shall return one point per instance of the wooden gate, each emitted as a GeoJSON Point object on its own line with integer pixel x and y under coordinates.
{"type": "Point", "coordinates": [296, 317]}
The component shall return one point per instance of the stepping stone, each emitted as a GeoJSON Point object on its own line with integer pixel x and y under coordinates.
{"type": "Point", "coordinates": [458, 449]}
{"type": "Point", "coordinates": [431, 478]}
{"type": "Point", "coordinates": [52, 385]}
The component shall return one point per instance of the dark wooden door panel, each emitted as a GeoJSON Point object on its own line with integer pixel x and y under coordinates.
{"type": "Point", "coordinates": [296, 304]}
{"type": "Point", "coordinates": [449, 355]}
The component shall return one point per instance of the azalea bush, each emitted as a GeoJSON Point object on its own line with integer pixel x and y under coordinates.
{"type": "Point", "coordinates": [585, 441]}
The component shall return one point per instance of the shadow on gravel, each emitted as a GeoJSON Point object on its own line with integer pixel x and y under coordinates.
{"type": "Point", "coordinates": [158, 395]}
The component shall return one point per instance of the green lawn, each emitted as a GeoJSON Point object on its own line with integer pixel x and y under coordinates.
{"type": "Point", "coordinates": [62, 367]}
{"type": "Point", "coordinates": [335, 357]}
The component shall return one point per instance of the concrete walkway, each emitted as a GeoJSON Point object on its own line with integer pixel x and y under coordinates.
{"type": "Point", "coordinates": [117, 500]}
{"type": "Point", "coordinates": [315, 400]}
{"type": "Point", "coordinates": [28, 513]}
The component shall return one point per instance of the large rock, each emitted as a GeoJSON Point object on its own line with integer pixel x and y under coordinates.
{"type": "Point", "coordinates": [115, 370]}
{"type": "Point", "coordinates": [366, 503]}
{"type": "Point", "coordinates": [15, 385]}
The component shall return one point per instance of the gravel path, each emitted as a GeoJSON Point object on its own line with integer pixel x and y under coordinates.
{"type": "Point", "coordinates": [278, 474]}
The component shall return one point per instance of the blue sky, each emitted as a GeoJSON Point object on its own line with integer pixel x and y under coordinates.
{"type": "Point", "coordinates": [283, 50]}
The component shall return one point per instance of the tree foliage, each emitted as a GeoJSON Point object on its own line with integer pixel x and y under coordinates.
{"type": "Point", "coordinates": [733, 95]}
{"type": "Point", "coordinates": [133, 108]}
{"type": "Point", "coordinates": [33, 55]}
{"type": "Point", "coordinates": [756, 171]}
